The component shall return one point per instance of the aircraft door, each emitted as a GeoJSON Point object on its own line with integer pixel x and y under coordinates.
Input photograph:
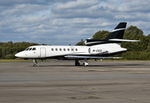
{"type": "Point", "coordinates": [43, 52]}
{"type": "Point", "coordinates": [89, 50]}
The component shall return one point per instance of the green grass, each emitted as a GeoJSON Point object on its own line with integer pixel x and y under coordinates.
{"type": "Point", "coordinates": [13, 60]}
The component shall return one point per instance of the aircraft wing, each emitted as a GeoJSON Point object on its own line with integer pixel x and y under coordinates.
{"type": "Point", "coordinates": [90, 57]}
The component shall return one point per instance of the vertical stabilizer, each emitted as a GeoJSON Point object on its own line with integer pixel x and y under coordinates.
{"type": "Point", "coordinates": [118, 32]}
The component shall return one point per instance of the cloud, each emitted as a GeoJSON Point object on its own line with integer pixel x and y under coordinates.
{"type": "Point", "coordinates": [76, 4]}
{"type": "Point", "coordinates": [67, 21]}
{"type": "Point", "coordinates": [38, 2]}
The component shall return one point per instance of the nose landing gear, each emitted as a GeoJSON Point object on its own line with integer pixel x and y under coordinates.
{"type": "Point", "coordinates": [35, 63]}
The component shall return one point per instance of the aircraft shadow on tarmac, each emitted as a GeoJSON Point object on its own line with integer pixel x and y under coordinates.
{"type": "Point", "coordinates": [116, 65]}
{"type": "Point", "coordinates": [55, 66]}
{"type": "Point", "coordinates": [98, 65]}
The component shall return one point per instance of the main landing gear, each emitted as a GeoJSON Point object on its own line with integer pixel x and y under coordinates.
{"type": "Point", "coordinates": [77, 63]}
{"type": "Point", "coordinates": [85, 63]}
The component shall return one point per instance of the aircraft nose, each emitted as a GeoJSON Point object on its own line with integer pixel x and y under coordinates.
{"type": "Point", "coordinates": [20, 55]}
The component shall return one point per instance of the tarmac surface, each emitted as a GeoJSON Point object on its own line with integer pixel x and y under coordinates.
{"type": "Point", "coordinates": [62, 82]}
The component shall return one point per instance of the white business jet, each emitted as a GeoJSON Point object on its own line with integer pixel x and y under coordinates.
{"type": "Point", "coordinates": [93, 49]}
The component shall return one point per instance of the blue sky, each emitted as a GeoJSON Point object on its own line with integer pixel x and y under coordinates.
{"type": "Point", "coordinates": [67, 21]}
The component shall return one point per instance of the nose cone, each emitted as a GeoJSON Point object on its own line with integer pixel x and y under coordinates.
{"type": "Point", "coordinates": [124, 49]}
{"type": "Point", "coordinates": [20, 55]}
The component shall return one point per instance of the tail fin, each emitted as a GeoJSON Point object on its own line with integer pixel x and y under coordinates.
{"type": "Point", "coordinates": [118, 32]}
{"type": "Point", "coordinates": [116, 36]}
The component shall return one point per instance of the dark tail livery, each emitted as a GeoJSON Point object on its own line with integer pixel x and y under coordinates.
{"type": "Point", "coordinates": [116, 36]}
{"type": "Point", "coordinates": [118, 32]}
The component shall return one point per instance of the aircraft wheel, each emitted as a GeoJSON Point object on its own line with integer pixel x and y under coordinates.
{"type": "Point", "coordinates": [85, 64]}
{"type": "Point", "coordinates": [77, 63]}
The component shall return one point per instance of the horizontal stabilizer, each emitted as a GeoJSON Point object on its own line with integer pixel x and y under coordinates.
{"type": "Point", "coordinates": [90, 57]}
{"type": "Point", "coordinates": [124, 40]}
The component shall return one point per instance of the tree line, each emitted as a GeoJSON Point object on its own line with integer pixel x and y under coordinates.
{"type": "Point", "coordinates": [136, 50]}
{"type": "Point", "coordinates": [9, 49]}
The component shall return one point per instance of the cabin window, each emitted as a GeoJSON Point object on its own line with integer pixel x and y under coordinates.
{"type": "Point", "coordinates": [52, 49]}
{"type": "Point", "coordinates": [64, 49]}
{"type": "Point", "coordinates": [56, 49]}
{"type": "Point", "coordinates": [30, 48]}
{"type": "Point", "coordinates": [76, 49]}
{"type": "Point", "coordinates": [68, 49]}
{"type": "Point", "coordinates": [72, 49]}
{"type": "Point", "coordinates": [60, 49]}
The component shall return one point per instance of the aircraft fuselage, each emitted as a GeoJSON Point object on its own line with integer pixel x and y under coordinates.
{"type": "Point", "coordinates": [45, 51]}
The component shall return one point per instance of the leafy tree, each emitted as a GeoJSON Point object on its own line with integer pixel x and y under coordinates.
{"type": "Point", "coordinates": [81, 42]}
{"type": "Point", "coordinates": [135, 33]}
{"type": "Point", "coordinates": [100, 35]}
{"type": "Point", "coordinates": [148, 43]}
{"type": "Point", "coordinates": [8, 49]}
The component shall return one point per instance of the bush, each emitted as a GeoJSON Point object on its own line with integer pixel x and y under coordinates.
{"type": "Point", "coordinates": [10, 56]}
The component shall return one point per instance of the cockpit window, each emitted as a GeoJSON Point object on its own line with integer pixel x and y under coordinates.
{"type": "Point", "coordinates": [34, 49]}
{"type": "Point", "coordinates": [30, 49]}
{"type": "Point", "coordinates": [27, 49]}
